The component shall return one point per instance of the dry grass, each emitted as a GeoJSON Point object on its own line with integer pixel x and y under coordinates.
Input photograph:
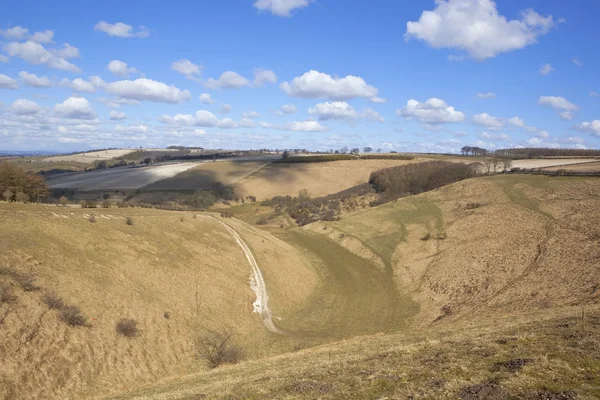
{"type": "Point", "coordinates": [127, 327]}
{"type": "Point", "coordinates": [579, 167]}
{"type": "Point", "coordinates": [192, 270]}
{"type": "Point", "coordinates": [320, 179]}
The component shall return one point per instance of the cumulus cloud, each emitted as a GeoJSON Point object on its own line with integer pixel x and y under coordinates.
{"type": "Point", "coordinates": [485, 96]}
{"type": "Point", "coordinates": [228, 80]}
{"type": "Point", "coordinates": [477, 27]}
{"type": "Point", "coordinates": [263, 76]}
{"type": "Point", "coordinates": [117, 116]}
{"type": "Point", "coordinates": [286, 109]}
{"type": "Point", "coordinates": [432, 112]}
{"type": "Point", "coordinates": [495, 136]}
{"type": "Point", "coordinates": [20, 33]}
{"type": "Point", "coordinates": [35, 53]}
{"type": "Point", "coordinates": [247, 123]}
{"type": "Point", "coordinates": [81, 85]}
{"type": "Point", "coordinates": [144, 89]}
{"type": "Point", "coordinates": [120, 68]}
{"type": "Point", "coordinates": [43, 36]}
{"type": "Point", "coordinates": [378, 100]}
{"type": "Point", "coordinates": [488, 121]}
{"type": "Point", "coordinates": [75, 108]}
{"type": "Point", "coordinates": [516, 121]}
{"type": "Point", "coordinates": [206, 118]}
{"type": "Point", "coordinates": [561, 105]}
{"type": "Point", "coordinates": [225, 108]}
{"type": "Point", "coordinates": [179, 119]}
{"type": "Point", "coordinates": [339, 110]}
{"type": "Point", "coordinates": [281, 8]}
{"type": "Point", "coordinates": [189, 69]}
{"type": "Point", "coordinates": [6, 82]}
{"type": "Point", "coordinates": [34, 80]}
{"type": "Point", "coordinates": [121, 29]}
{"type": "Point", "coordinates": [116, 102]}
{"type": "Point", "coordinates": [593, 127]}
{"type": "Point", "coordinates": [206, 99]}
{"type": "Point", "coordinates": [250, 115]}
{"type": "Point", "coordinates": [304, 126]}
{"type": "Point", "coordinates": [315, 84]}
{"type": "Point", "coordinates": [203, 118]}
{"type": "Point", "coordinates": [25, 107]}
{"type": "Point", "coordinates": [546, 69]}
{"type": "Point", "coordinates": [139, 128]}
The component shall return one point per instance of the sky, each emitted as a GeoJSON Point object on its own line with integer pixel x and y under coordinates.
{"type": "Point", "coordinates": [423, 75]}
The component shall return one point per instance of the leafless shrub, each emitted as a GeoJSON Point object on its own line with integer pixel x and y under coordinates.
{"type": "Point", "coordinates": [218, 347]}
{"type": "Point", "coordinates": [167, 315]}
{"type": "Point", "coordinates": [427, 236]}
{"type": "Point", "coordinates": [127, 327]}
{"type": "Point", "coordinates": [92, 219]}
{"type": "Point", "coordinates": [6, 293]}
{"type": "Point", "coordinates": [105, 204]}
{"type": "Point", "coordinates": [72, 316]}
{"type": "Point", "coordinates": [53, 301]}
{"type": "Point", "coordinates": [472, 206]}
{"type": "Point", "coordinates": [129, 221]}
{"type": "Point", "coordinates": [25, 280]}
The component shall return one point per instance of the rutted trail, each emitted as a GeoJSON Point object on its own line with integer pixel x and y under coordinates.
{"type": "Point", "coordinates": [257, 283]}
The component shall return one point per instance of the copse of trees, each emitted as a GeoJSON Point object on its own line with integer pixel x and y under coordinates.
{"type": "Point", "coordinates": [18, 185]}
{"type": "Point", "coordinates": [404, 180]}
{"type": "Point", "coordinates": [473, 151]}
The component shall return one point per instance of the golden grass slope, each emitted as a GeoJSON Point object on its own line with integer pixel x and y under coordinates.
{"type": "Point", "coordinates": [505, 242]}
{"type": "Point", "coordinates": [166, 262]}
{"type": "Point", "coordinates": [320, 179]}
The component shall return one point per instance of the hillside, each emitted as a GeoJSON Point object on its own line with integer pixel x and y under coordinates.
{"type": "Point", "coordinates": [320, 179]}
{"type": "Point", "coordinates": [175, 274]}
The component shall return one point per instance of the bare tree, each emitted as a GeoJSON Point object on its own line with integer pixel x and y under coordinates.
{"type": "Point", "coordinates": [7, 194]}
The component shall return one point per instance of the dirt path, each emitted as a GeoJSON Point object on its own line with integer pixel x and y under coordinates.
{"type": "Point", "coordinates": [257, 282]}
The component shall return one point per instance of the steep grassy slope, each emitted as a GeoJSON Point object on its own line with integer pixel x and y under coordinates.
{"type": "Point", "coordinates": [176, 275]}
{"type": "Point", "coordinates": [504, 242]}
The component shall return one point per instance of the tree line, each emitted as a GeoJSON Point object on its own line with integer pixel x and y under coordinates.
{"type": "Point", "coordinates": [18, 185]}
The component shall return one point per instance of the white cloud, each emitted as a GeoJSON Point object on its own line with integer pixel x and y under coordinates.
{"type": "Point", "coordinates": [315, 84]}
{"type": "Point", "coordinates": [305, 126]}
{"type": "Point", "coordinates": [281, 8]}
{"type": "Point", "coordinates": [35, 53]}
{"type": "Point", "coordinates": [121, 30]}
{"type": "Point", "coordinates": [117, 116]}
{"type": "Point", "coordinates": [34, 80]}
{"type": "Point", "coordinates": [116, 102]}
{"type": "Point", "coordinates": [144, 89]}
{"type": "Point", "coordinates": [6, 82]}
{"type": "Point", "coordinates": [577, 62]}
{"type": "Point", "coordinates": [488, 121]}
{"type": "Point", "coordinates": [206, 118]}
{"type": "Point", "coordinates": [140, 128]}
{"type": "Point", "coordinates": [250, 115]}
{"type": "Point", "coordinates": [14, 33]}
{"type": "Point", "coordinates": [594, 94]}
{"type": "Point", "coordinates": [485, 96]}
{"type": "Point", "coordinates": [593, 127]}
{"type": "Point", "coordinates": [371, 115]}
{"type": "Point", "coordinates": [516, 121]}
{"type": "Point", "coordinates": [3, 59]}
{"type": "Point", "coordinates": [286, 109]}
{"type": "Point", "coordinates": [206, 99]}
{"type": "Point", "coordinates": [263, 76]}
{"type": "Point", "coordinates": [179, 119]}
{"type": "Point", "coordinates": [81, 85]}
{"type": "Point", "coordinates": [456, 58]}
{"type": "Point", "coordinates": [247, 123]}
{"type": "Point", "coordinates": [25, 107]}
{"type": "Point", "coordinates": [66, 51]}
{"type": "Point", "coordinates": [561, 105]}
{"type": "Point", "coordinates": [378, 100]}
{"type": "Point", "coordinates": [226, 123]}
{"type": "Point", "coordinates": [495, 136]}
{"type": "Point", "coordinates": [546, 69]}
{"type": "Point", "coordinates": [189, 69]}
{"type": "Point", "coordinates": [120, 68]}
{"type": "Point", "coordinates": [339, 110]}
{"type": "Point", "coordinates": [75, 108]}
{"type": "Point", "coordinates": [228, 80]}
{"type": "Point", "coordinates": [543, 134]}
{"type": "Point", "coordinates": [43, 36]}
{"type": "Point", "coordinates": [476, 27]}
{"type": "Point", "coordinates": [225, 108]}
{"type": "Point", "coordinates": [432, 112]}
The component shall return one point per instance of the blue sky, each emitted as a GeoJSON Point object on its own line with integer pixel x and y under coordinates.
{"type": "Point", "coordinates": [420, 76]}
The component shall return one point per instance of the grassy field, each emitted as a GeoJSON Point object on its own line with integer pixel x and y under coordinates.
{"type": "Point", "coordinates": [320, 179]}
{"type": "Point", "coordinates": [90, 157]}
{"type": "Point", "coordinates": [204, 175]}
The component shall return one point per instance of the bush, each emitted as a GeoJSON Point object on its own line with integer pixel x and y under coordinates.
{"type": "Point", "coordinates": [217, 347]}
{"type": "Point", "coordinates": [92, 219]}
{"type": "Point", "coordinates": [129, 221]}
{"type": "Point", "coordinates": [105, 204]}
{"type": "Point", "coordinates": [63, 201]}
{"type": "Point", "coordinates": [472, 206]}
{"type": "Point", "coordinates": [25, 280]}
{"type": "Point", "coordinates": [53, 301]}
{"type": "Point", "coordinates": [6, 293]}
{"type": "Point", "coordinates": [427, 236]}
{"type": "Point", "coordinates": [21, 197]}
{"type": "Point", "coordinates": [72, 316]}
{"type": "Point", "coordinates": [127, 327]}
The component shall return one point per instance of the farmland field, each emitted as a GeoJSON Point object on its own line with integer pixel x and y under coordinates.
{"type": "Point", "coordinates": [91, 157]}
{"type": "Point", "coordinates": [118, 178]}
{"type": "Point", "coordinates": [551, 162]}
